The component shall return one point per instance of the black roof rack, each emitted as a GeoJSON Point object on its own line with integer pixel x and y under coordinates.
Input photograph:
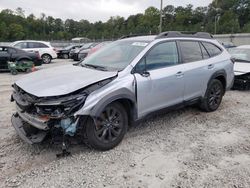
{"type": "Point", "coordinates": [128, 36]}
{"type": "Point", "coordinates": [173, 34]}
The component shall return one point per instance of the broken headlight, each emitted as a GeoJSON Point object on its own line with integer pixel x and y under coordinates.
{"type": "Point", "coordinates": [60, 107]}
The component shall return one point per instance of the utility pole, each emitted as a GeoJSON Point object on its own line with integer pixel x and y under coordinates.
{"type": "Point", "coordinates": [160, 26]}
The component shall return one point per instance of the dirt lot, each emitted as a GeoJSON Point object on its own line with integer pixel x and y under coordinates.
{"type": "Point", "coordinates": [185, 148]}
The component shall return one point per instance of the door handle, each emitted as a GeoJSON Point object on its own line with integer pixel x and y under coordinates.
{"type": "Point", "coordinates": [211, 66]}
{"type": "Point", "coordinates": [179, 74]}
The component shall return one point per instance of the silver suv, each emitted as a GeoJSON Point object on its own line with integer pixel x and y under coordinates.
{"type": "Point", "coordinates": [120, 84]}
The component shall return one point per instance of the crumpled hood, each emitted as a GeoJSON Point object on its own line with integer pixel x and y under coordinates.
{"type": "Point", "coordinates": [61, 80]}
{"type": "Point", "coordinates": [241, 68]}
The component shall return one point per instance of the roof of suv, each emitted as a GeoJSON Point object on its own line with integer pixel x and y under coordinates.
{"type": "Point", "coordinates": [170, 34]}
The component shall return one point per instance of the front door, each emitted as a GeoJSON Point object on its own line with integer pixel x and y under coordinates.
{"type": "Point", "coordinates": [160, 79]}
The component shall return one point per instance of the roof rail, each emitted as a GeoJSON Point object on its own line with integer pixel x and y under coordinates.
{"type": "Point", "coordinates": [173, 34]}
{"type": "Point", "coordinates": [128, 36]}
{"type": "Point", "coordinates": [135, 35]}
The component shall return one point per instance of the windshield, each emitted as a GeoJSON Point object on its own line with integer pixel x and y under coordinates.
{"type": "Point", "coordinates": [117, 55]}
{"type": "Point", "coordinates": [68, 47]}
{"type": "Point", "coordinates": [240, 54]}
{"type": "Point", "coordinates": [86, 46]}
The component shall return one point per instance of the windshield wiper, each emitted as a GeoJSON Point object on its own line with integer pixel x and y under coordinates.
{"type": "Point", "coordinates": [98, 67]}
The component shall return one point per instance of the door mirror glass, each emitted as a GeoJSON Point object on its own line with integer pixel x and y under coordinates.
{"type": "Point", "coordinates": [141, 67]}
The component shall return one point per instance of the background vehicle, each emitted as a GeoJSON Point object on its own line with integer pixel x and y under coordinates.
{"type": "Point", "coordinates": [46, 51]}
{"type": "Point", "coordinates": [11, 54]}
{"type": "Point", "coordinates": [228, 45]}
{"type": "Point", "coordinates": [123, 83]}
{"type": "Point", "coordinates": [241, 57]}
{"type": "Point", "coordinates": [97, 47]}
{"type": "Point", "coordinates": [83, 51]}
{"type": "Point", "coordinates": [64, 53]}
{"type": "Point", "coordinates": [22, 66]}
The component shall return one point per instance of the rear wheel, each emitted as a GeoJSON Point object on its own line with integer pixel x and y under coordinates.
{"type": "Point", "coordinates": [213, 96]}
{"type": "Point", "coordinates": [46, 58]}
{"type": "Point", "coordinates": [109, 129]}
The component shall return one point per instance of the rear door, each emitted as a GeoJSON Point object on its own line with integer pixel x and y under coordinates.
{"type": "Point", "coordinates": [159, 77]}
{"type": "Point", "coordinates": [196, 68]}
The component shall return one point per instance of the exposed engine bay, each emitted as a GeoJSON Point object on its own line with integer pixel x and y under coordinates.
{"type": "Point", "coordinates": [242, 82]}
{"type": "Point", "coordinates": [38, 118]}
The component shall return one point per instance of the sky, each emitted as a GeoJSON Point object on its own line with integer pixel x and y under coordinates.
{"type": "Point", "coordinates": [91, 10]}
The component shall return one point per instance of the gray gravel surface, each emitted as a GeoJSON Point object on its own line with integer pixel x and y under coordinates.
{"type": "Point", "coordinates": [184, 148]}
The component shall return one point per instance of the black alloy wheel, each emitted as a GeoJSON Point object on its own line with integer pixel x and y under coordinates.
{"type": "Point", "coordinates": [109, 129]}
{"type": "Point", "coordinates": [214, 95]}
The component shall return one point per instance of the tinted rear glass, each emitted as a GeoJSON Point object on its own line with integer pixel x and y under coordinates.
{"type": "Point", "coordinates": [212, 49]}
{"type": "Point", "coordinates": [37, 45]}
{"type": "Point", "coordinates": [204, 52]}
{"type": "Point", "coordinates": [191, 51]}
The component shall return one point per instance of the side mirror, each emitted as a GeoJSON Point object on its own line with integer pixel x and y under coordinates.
{"type": "Point", "coordinates": [145, 74]}
{"type": "Point", "coordinates": [141, 68]}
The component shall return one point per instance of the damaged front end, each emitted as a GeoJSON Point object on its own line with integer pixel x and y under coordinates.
{"type": "Point", "coordinates": [242, 82]}
{"type": "Point", "coordinates": [39, 117]}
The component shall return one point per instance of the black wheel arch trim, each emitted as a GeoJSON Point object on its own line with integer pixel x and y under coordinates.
{"type": "Point", "coordinates": [121, 94]}
{"type": "Point", "coordinates": [24, 57]}
{"type": "Point", "coordinates": [216, 75]}
{"type": "Point", "coordinates": [46, 54]}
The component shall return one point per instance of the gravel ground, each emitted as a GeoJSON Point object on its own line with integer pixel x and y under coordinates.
{"type": "Point", "coordinates": [184, 148]}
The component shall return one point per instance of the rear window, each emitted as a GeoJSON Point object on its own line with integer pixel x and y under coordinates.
{"type": "Point", "coordinates": [204, 52]}
{"type": "Point", "coordinates": [37, 45]}
{"type": "Point", "coordinates": [191, 51]}
{"type": "Point", "coordinates": [212, 49]}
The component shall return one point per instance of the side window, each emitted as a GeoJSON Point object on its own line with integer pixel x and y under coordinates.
{"type": "Point", "coordinates": [204, 52]}
{"type": "Point", "coordinates": [162, 55]}
{"type": "Point", "coordinates": [32, 44]}
{"type": "Point", "coordinates": [37, 45]}
{"type": "Point", "coordinates": [41, 45]}
{"type": "Point", "coordinates": [212, 49]}
{"type": "Point", "coordinates": [21, 45]}
{"type": "Point", "coordinates": [191, 51]}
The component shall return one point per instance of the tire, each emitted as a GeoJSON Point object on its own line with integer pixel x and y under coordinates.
{"type": "Point", "coordinates": [109, 129]}
{"type": "Point", "coordinates": [46, 58]}
{"type": "Point", "coordinates": [14, 72]}
{"type": "Point", "coordinates": [65, 56]}
{"type": "Point", "coordinates": [28, 70]}
{"type": "Point", "coordinates": [213, 96]}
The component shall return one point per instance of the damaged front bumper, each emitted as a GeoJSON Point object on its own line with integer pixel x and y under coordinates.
{"type": "Point", "coordinates": [242, 82]}
{"type": "Point", "coordinates": [27, 133]}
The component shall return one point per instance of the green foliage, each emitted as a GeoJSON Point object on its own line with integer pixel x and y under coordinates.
{"type": "Point", "coordinates": [16, 31]}
{"type": "Point", "coordinates": [231, 16]}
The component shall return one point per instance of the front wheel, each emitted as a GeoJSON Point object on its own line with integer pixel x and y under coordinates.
{"type": "Point", "coordinates": [213, 96]}
{"type": "Point", "coordinates": [109, 129]}
{"type": "Point", "coordinates": [65, 56]}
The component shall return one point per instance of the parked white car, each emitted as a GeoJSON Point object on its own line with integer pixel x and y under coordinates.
{"type": "Point", "coordinates": [46, 51]}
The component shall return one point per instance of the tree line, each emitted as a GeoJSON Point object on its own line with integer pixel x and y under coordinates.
{"type": "Point", "coordinates": [221, 16]}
